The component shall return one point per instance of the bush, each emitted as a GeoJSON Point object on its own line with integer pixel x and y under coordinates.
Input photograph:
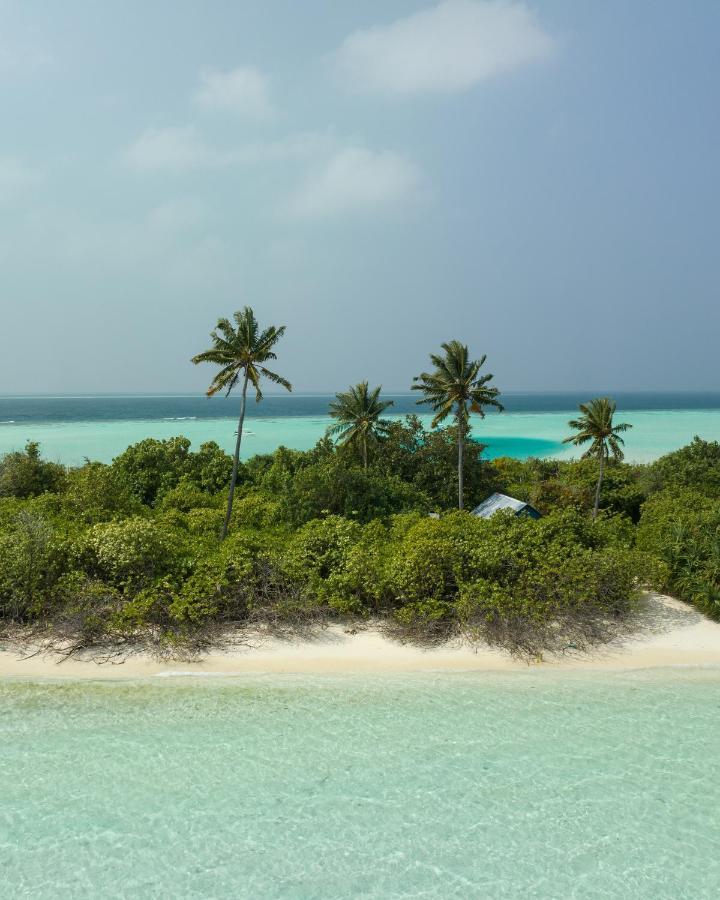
{"type": "Point", "coordinates": [134, 552]}
{"type": "Point", "coordinates": [98, 493]}
{"type": "Point", "coordinates": [427, 460]}
{"type": "Point", "coordinates": [428, 562]}
{"type": "Point", "coordinates": [31, 561]}
{"type": "Point", "coordinates": [563, 602]}
{"type": "Point", "coordinates": [152, 467]}
{"type": "Point", "coordinates": [681, 528]}
{"type": "Point", "coordinates": [211, 467]}
{"type": "Point", "coordinates": [695, 467]}
{"type": "Point", "coordinates": [25, 474]}
{"type": "Point", "coordinates": [187, 496]}
{"type": "Point", "coordinates": [337, 489]}
{"type": "Point", "coordinates": [255, 509]}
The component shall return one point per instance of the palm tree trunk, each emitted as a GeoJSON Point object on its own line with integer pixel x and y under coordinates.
{"type": "Point", "coordinates": [364, 452]}
{"type": "Point", "coordinates": [236, 459]}
{"type": "Point", "coordinates": [599, 484]}
{"type": "Point", "coordinates": [461, 463]}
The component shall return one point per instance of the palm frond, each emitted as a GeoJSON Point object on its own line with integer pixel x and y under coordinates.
{"type": "Point", "coordinates": [241, 348]}
{"type": "Point", "coordinates": [596, 423]}
{"type": "Point", "coordinates": [455, 387]}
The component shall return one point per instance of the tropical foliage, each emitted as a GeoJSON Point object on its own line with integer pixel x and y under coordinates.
{"type": "Point", "coordinates": [127, 553]}
{"type": "Point", "coordinates": [456, 389]}
{"type": "Point", "coordinates": [140, 551]}
{"type": "Point", "coordinates": [596, 427]}
{"type": "Point", "coordinates": [240, 351]}
{"type": "Point", "coordinates": [358, 411]}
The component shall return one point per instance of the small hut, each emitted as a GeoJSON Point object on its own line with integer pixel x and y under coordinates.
{"type": "Point", "coordinates": [496, 502]}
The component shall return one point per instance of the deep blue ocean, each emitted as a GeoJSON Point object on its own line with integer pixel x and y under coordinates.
{"type": "Point", "coordinates": [114, 408]}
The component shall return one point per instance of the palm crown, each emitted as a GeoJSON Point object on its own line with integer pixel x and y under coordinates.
{"type": "Point", "coordinates": [456, 386]}
{"type": "Point", "coordinates": [242, 349]}
{"type": "Point", "coordinates": [596, 426]}
{"type": "Point", "coordinates": [358, 412]}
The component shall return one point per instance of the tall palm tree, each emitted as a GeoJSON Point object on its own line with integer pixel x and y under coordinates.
{"type": "Point", "coordinates": [596, 425]}
{"type": "Point", "coordinates": [456, 388]}
{"type": "Point", "coordinates": [240, 351]}
{"type": "Point", "coordinates": [358, 412]}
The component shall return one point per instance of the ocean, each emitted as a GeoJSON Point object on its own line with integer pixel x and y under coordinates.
{"type": "Point", "coordinates": [70, 429]}
{"type": "Point", "coordinates": [455, 785]}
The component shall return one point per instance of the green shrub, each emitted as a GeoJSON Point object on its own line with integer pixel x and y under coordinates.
{"type": "Point", "coordinates": [566, 599]}
{"type": "Point", "coordinates": [694, 467]}
{"type": "Point", "coordinates": [86, 611]}
{"type": "Point", "coordinates": [131, 553]}
{"type": "Point", "coordinates": [255, 509]}
{"type": "Point", "coordinates": [152, 467]}
{"type": "Point", "coordinates": [426, 619]}
{"type": "Point", "coordinates": [99, 493]}
{"type": "Point", "coordinates": [335, 488]}
{"type": "Point", "coordinates": [31, 561]}
{"type": "Point", "coordinates": [428, 562]}
{"type": "Point", "coordinates": [25, 474]}
{"type": "Point", "coordinates": [426, 459]}
{"type": "Point", "coordinates": [186, 496]}
{"type": "Point", "coordinates": [681, 528]}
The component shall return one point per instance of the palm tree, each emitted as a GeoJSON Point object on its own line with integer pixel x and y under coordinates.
{"type": "Point", "coordinates": [358, 412]}
{"type": "Point", "coordinates": [456, 388]}
{"type": "Point", "coordinates": [240, 351]}
{"type": "Point", "coordinates": [596, 425]}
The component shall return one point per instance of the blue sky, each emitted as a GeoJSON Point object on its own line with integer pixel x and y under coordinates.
{"type": "Point", "coordinates": [539, 180]}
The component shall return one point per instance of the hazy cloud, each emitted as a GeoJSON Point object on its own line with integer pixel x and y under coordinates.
{"type": "Point", "coordinates": [175, 149]}
{"type": "Point", "coordinates": [151, 241]}
{"type": "Point", "coordinates": [446, 48]}
{"type": "Point", "coordinates": [182, 149]}
{"type": "Point", "coordinates": [244, 91]}
{"type": "Point", "coordinates": [355, 180]}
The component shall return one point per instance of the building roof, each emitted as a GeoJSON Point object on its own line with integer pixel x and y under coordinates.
{"type": "Point", "coordinates": [496, 502]}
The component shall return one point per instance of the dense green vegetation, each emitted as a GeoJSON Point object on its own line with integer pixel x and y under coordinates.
{"type": "Point", "coordinates": [141, 552]}
{"type": "Point", "coordinates": [132, 552]}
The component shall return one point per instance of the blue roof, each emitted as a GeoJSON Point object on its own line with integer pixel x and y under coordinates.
{"type": "Point", "coordinates": [496, 502]}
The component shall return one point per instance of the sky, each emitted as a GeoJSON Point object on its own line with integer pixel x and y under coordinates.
{"type": "Point", "coordinates": [539, 180]}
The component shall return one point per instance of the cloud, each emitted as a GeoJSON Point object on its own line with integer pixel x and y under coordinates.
{"type": "Point", "coordinates": [16, 177]}
{"type": "Point", "coordinates": [355, 180]}
{"type": "Point", "coordinates": [244, 91]}
{"type": "Point", "coordinates": [447, 48]}
{"type": "Point", "coordinates": [175, 241]}
{"type": "Point", "coordinates": [182, 149]}
{"type": "Point", "coordinates": [174, 149]}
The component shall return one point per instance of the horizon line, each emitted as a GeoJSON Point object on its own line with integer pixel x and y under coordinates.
{"type": "Point", "coordinates": [76, 395]}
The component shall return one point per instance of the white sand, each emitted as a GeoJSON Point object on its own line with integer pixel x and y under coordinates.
{"type": "Point", "coordinates": [669, 633]}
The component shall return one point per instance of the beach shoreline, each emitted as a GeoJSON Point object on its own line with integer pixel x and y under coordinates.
{"type": "Point", "coordinates": [668, 633]}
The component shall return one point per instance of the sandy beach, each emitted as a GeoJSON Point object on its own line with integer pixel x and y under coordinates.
{"type": "Point", "coordinates": [668, 633]}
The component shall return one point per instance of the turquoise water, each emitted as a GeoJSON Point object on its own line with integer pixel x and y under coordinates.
{"type": "Point", "coordinates": [540, 785]}
{"type": "Point", "coordinates": [71, 442]}
{"type": "Point", "coordinates": [517, 434]}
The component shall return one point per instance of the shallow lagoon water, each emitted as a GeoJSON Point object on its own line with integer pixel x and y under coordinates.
{"type": "Point", "coordinates": [511, 434]}
{"type": "Point", "coordinates": [459, 785]}
{"type": "Point", "coordinates": [69, 429]}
